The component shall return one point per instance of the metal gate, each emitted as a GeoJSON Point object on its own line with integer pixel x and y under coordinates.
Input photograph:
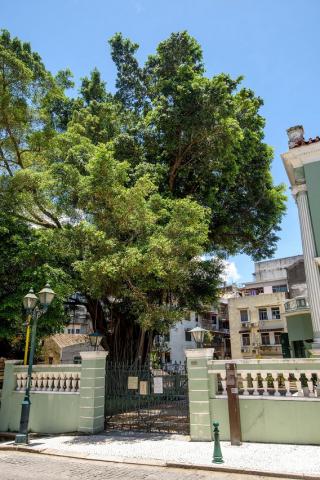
{"type": "Point", "coordinates": [142, 398]}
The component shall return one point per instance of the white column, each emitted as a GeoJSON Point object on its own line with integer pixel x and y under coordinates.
{"type": "Point", "coordinates": [309, 253]}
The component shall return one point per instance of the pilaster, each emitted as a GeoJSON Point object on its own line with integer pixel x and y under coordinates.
{"type": "Point", "coordinates": [309, 252]}
{"type": "Point", "coordinates": [9, 383]}
{"type": "Point", "coordinates": [199, 405]}
{"type": "Point", "coordinates": [92, 392]}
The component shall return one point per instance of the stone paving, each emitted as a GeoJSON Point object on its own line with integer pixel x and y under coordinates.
{"type": "Point", "coordinates": [162, 449]}
{"type": "Point", "coordinates": [26, 466]}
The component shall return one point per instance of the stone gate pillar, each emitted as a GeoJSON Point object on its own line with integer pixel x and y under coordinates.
{"type": "Point", "coordinates": [92, 392]}
{"type": "Point", "coordinates": [198, 381]}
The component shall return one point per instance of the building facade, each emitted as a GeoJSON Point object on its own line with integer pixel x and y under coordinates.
{"type": "Point", "coordinates": [257, 323]}
{"type": "Point", "coordinates": [302, 164]}
{"type": "Point", "coordinates": [80, 320]}
{"type": "Point", "coordinates": [257, 314]}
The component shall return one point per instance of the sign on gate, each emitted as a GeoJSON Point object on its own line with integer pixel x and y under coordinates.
{"type": "Point", "coordinates": [143, 388]}
{"type": "Point", "coordinates": [158, 385]}
{"type": "Point", "coordinates": [132, 383]}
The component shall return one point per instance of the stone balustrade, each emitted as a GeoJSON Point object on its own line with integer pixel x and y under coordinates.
{"type": "Point", "coordinates": [49, 382]}
{"type": "Point", "coordinates": [273, 383]}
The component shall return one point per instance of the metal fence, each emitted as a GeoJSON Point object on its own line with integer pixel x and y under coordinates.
{"type": "Point", "coordinates": [143, 398]}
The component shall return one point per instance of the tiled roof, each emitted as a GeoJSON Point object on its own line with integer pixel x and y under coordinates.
{"type": "Point", "coordinates": [68, 339]}
{"type": "Point", "coordinates": [302, 142]}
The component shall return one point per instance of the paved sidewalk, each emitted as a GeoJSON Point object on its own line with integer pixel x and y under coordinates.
{"type": "Point", "coordinates": [161, 449]}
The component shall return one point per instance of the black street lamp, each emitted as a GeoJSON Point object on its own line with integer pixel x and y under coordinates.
{"type": "Point", "coordinates": [46, 296]}
{"type": "Point", "coordinates": [95, 339]}
{"type": "Point", "coordinates": [198, 335]}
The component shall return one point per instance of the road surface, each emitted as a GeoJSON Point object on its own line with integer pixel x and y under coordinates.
{"type": "Point", "coordinates": [30, 466]}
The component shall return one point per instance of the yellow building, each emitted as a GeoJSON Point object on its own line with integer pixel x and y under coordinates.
{"type": "Point", "coordinates": [257, 323]}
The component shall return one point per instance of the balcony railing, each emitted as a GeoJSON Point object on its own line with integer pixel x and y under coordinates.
{"type": "Point", "coordinates": [216, 329]}
{"type": "Point", "coordinates": [269, 380]}
{"type": "Point", "coordinates": [296, 304]}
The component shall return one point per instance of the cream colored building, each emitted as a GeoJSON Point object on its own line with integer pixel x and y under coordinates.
{"type": "Point", "coordinates": [256, 324]}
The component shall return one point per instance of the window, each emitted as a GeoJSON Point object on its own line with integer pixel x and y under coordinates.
{"type": "Point", "coordinates": [275, 313]}
{"type": "Point", "coordinates": [77, 359]}
{"type": "Point", "coordinates": [50, 360]}
{"type": "Point", "coordinates": [265, 338]}
{"type": "Point", "coordinates": [277, 338]}
{"type": "Point", "coordinates": [263, 314]}
{"type": "Point", "coordinates": [301, 302]}
{"type": "Point", "coordinates": [279, 288]}
{"type": "Point", "coordinates": [214, 321]}
{"type": "Point", "coordinates": [167, 357]}
{"type": "Point", "coordinates": [245, 339]}
{"type": "Point", "coordinates": [187, 336]}
{"type": "Point", "coordinates": [77, 330]}
{"type": "Point", "coordinates": [196, 317]}
{"type": "Point", "coordinates": [244, 316]}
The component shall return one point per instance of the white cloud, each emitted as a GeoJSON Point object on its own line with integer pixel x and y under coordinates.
{"type": "Point", "coordinates": [230, 273]}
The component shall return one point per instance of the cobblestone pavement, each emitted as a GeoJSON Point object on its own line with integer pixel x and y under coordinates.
{"type": "Point", "coordinates": [158, 449]}
{"type": "Point", "coordinates": [30, 466]}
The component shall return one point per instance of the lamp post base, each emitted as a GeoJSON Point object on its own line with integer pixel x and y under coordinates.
{"type": "Point", "coordinates": [21, 438]}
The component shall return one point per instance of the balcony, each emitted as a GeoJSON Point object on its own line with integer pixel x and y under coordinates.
{"type": "Point", "coordinates": [297, 304]}
{"type": "Point", "coordinates": [216, 329]}
{"type": "Point", "coordinates": [272, 323]}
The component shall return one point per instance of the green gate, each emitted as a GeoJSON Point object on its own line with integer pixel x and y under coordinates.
{"type": "Point", "coordinates": [142, 398]}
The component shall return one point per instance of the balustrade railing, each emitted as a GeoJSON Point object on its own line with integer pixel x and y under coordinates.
{"type": "Point", "coordinates": [50, 382]}
{"type": "Point", "coordinates": [273, 383]}
{"type": "Point", "coordinates": [298, 303]}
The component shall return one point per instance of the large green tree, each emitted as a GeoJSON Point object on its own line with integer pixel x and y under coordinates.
{"type": "Point", "coordinates": [120, 196]}
{"type": "Point", "coordinates": [206, 134]}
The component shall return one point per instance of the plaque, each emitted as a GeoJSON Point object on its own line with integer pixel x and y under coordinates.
{"type": "Point", "coordinates": [132, 383]}
{"type": "Point", "coordinates": [158, 385]}
{"type": "Point", "coordinates": [143, 388]}
{"type": "Point", "coordinates": [234, 390]}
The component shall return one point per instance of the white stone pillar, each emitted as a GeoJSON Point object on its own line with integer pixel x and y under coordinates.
{"type": "Point", "coordinates": [309, 252]}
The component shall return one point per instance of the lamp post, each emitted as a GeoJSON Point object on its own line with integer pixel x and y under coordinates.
{"type": "Point", "coordinates": [30, 301]}
{"type": "Point", "coordinates": [198, 335]}
{"type": "Point", "coordinates": [95, 339]}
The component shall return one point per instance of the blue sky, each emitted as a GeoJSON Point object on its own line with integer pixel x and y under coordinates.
{"type": "Point", "coordinates": [273, 43]}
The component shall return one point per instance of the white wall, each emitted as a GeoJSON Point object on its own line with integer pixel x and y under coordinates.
{"type": "Point", "coordinates": [177, 343]}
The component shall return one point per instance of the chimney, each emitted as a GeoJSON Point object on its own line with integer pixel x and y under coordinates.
{"type": "Point", "coordinates": [295, 135]}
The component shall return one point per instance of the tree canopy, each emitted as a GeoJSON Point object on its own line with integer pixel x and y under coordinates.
{"type": "Point", "coordinates": [120, 195]}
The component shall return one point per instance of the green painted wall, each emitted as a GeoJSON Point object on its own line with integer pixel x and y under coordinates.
{"type": "Point", "coordinates": [50, 413]}
{"type": "Point", "coordinates": [312, 174]}
{"type": "Point", "coordinates": [55, 412]}
{"type": "Point", "coordinates": [299, 327]}
{"type": "Point", "coordinates": [272, 421]}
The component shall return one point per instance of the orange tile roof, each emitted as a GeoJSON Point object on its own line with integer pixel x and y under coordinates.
{"type": "Point", "coordinates": [300, 143]}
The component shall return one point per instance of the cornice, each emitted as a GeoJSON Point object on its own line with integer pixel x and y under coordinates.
{"type": "Point", "coordinates": [298, 157]}
{"type": "Point", "coordinates": [200, 353]}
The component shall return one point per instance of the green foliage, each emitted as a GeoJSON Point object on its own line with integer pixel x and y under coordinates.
{"type": "Point", "coordinates": [119, 196]}
{"type": "Point", "coordinates": [207, 135]}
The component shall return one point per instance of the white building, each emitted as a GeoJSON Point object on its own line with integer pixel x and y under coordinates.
{"type": "Point", "coordinates": [178, 340]}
